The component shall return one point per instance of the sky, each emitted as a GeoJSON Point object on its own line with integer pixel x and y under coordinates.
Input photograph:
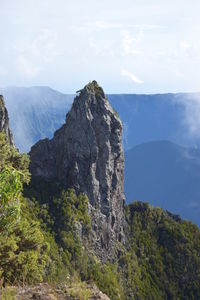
{"type": "Point", "coordinates": [129, 46]}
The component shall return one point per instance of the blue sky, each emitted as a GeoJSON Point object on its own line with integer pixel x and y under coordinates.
{"type": "Point", "coordinates": [129, 46]}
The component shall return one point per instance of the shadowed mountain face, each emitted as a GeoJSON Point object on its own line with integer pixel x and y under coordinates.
{"type": "Point", "coordinates": [35, 113]}
{"type": "Point", "coordinates": [165, 175]}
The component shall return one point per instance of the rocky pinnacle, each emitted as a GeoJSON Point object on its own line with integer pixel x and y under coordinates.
{"type": "Point", "coordinates": [86, 154]}
{"type": "Point", "coordinates": [4, 122]}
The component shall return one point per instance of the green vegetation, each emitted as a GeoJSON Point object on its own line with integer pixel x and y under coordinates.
{"type": "Point", "coordinates": [38, 242]}
{"type": "Point", "coordinates": [13, 173]}
{"type": "Point", "coordinates": [2, 104]}
{"type": "Point", "coordinates": [10, 157]}
{"type": "Point", "coordinates": [8, 293]}
{"type": "Point", "coordinates": [79, 290]}
{"type": "Point", "coordinates": [93, 86]}
{"type": "Point", "coordinates": [10, 194]}
{"type": "Point", "coordinates": [44, 241]}
{"type": "Point", "coordinates": [163, 258]}
{"type": "Point", "coordinates": [107, 278]}
{"type": "Point", "coordinates": [23, 254]}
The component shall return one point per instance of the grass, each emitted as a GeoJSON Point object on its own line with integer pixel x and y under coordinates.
{"type": "Point", "coordinates": [79, 291]}
{"type": "Point", "coordinates": [8, 293]}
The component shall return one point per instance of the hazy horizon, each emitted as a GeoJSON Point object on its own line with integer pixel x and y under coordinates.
{"type": "Point", "coordinates": [74, 93]}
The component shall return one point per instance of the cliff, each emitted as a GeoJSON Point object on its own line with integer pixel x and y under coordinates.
{"type": "Point", "coordinates": [86, 153]}
{"type": "Point", "coordinates": [4, 121]}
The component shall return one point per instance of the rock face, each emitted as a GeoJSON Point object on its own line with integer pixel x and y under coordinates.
{"type": "Point", "coordinates": [4, 121]}
{"type": "Point", "coordinates": [86, 153]}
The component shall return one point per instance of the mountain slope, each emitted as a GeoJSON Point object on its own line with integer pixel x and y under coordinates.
{"type": "Point", "coordinates": [165, 175]}
{"type": "Point", "coordinates": [162, 261]}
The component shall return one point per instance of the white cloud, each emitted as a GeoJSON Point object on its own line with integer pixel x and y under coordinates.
{"type": "Point", "coordinates": [131, 76]}
{"type": "Point", "coordinates": [129, 43]}
{"type": "Point", "coordinates": [85, 39]}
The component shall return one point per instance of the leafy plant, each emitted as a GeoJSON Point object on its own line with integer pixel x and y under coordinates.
{"type": "Point", "coordinates": [23, 250]}
{"type": "Point", "coordinates": [10, 198]}
{"type": "Point", "coordinates": [10, 157]}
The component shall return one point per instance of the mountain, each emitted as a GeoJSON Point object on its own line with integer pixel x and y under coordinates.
{"type": "Point", "coordinates": [4, 121]}
{"type": "Point", "coordinates": [86, 154]}
{"type": "Point", "coordinates": [166, 175]}
{"type": "Point", "coordinates": [148, 118]}
{"type": "Point", "coordinates": [65, 246]}
{"type": "Point", "coordinates": [162, 260]}
{"type": "Point", "coordinates": [36, 112]}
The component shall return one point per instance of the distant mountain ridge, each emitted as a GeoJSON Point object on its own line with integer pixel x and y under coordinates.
{"type": "Point", "coordinates": [36, 112]}
{"type": "Point", "coordinates": [166, 175]}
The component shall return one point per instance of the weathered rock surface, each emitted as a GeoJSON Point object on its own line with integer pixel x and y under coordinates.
{"type": "Point", "coordinates": [44, 291]}
{"type": "Point", "coordinates": [86, 153]}
{"type": "Point", "coordinates": [4, 121]}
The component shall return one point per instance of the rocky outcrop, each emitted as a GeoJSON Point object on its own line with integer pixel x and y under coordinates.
{"type": "Point", "coordinates": [44, 291]}
{"type": "Point", "coordinates": [4, 121]}
{"type": "Point", "coordinates": [86, 153]}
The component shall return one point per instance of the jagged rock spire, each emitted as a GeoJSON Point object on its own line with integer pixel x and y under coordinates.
{"type": "Point", "coordinates": [86, 153]}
